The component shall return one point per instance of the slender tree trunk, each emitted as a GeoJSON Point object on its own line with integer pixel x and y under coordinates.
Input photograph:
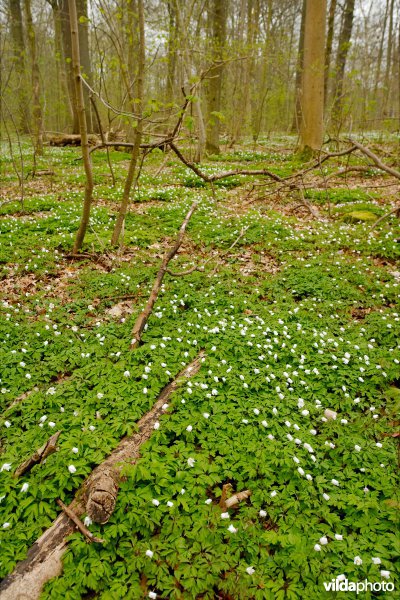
{"type": "Point", "coordinates": [217, 19]}
{"type": "Point", "coordinates": [299, 72]}
{"type": "Point", "coordinates": [328, 48]}
{"type": "Point", "coordinates": [182, 28]}
{"type": "Point", "coordinates": [172, 37]}
{"type": "Point", "coordinates": [63, 94]}
{"type": "Point", "coordinates": [132, 170]}
{"type": "Point", "coordinates": [388, 59]}
{"type": "Point", "coordinates": [312, 97]}
{"type": "Point", "coordinates": [86, 64]}
{"type": "Point", "coordinates": [254, 97]}
{"type": "Point", "coordinates": [80, 107]}
{"type": "Point", "coordinates": [239, 90]}
{"type": "Point", "coordinates": [380, 51]}
{"type": "Point", "coordinates": [343, 49]}
{"type": "Point", "coordinates": [17, 36]}
{"type": "Point", "coordinates": [66, 39]}
{"type": "Point", "coordinates": [36, 104]}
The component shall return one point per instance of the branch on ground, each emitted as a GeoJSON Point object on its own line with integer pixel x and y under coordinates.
{"type": "Point", "coordinates": [169, 255]}
{"type": "Point", "coordinates": [39, 455]}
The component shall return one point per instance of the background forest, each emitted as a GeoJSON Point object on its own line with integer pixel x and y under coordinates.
{"type": "Point", "coordinates": [244, 55]}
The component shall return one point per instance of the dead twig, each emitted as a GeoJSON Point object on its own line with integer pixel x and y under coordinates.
{"type": "Point", "coordinates": [82, 528]}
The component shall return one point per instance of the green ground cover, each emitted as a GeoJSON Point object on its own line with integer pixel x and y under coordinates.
{"type": "Point", "coordinates": [299, 317]}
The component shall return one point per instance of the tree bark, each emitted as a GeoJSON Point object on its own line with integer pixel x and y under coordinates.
{"type": "Point", "coordinates": [36, 102]}
{"type": "Point", "coordinates": [86, 65]}
{"type": "Point", "coordinates": [217, 31]}
{"type": "Point", "coordinates": [80, 107]}
{"type": "Point", "coordinates": [328, 47]}
{"type": "Point", "coordinates": [299, 72]}
{"type": "Point", "coordinates": [172, 52]}
{"type": "Point", "coordinates": [312, 97]}
{"type": "Point", "coordinates": [343, 49]}
{"type": "Point", "coordinates": [18, 45]}
{"type": "Point", "coordinates": [388, 59]}
{"type": "Point", "coordinates": [67, 50]}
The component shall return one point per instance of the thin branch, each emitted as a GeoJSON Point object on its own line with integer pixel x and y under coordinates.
{"type": "Point", "coordinates": [103, 139]}
{"type": "Point", "coordinates": [82, 528]}
{"type": "Point", "coordinates": [385, 216]}
{"type": "Point", "coordinates": [375, 159]}
{"type": "Point", "coordinates": [169, 255]}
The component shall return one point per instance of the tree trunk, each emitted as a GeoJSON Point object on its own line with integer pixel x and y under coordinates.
{"type": "Point", "coordinates": [86, 65]}
{"type": "Point", "coordinates": [299, 72]}
{"type": "Point", "coordinates": [63, 95]}
{"type": "Point", "coordinates": [343, 49]}
{"type": "Point", "coordinates": [217, 30]}
{"type": "Point", "coordinates": [328, 48]}
{"type": "Point", "coordinates": [66, 39]}
{"type": "Point", "coordinates": [80, 109]}
{"type": "Point", "coordinates": [388, 59]}
{"type": "Point", "coordinates": [36, 108]}
{"type": "Point", "coordinates": [172, 38]}
{"type": "Point", "coordinates": [312, 97]}
{"type": "Point", "coordinates": [138, 132]}
{"type": "Point", "coordinates": [17, 36]}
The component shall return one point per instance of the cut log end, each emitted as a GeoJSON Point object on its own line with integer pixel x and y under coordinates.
{"type": "Point", "coordinates": [102, 497]}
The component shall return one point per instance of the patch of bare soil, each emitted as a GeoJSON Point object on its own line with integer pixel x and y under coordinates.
{"type": "Point", "coordinates": [16, 287]}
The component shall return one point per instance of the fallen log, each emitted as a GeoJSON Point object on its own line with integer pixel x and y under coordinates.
{"type": "Point", "coordinates": [44, 559]}
{"type": "Point", "coordinates": [71, 139]}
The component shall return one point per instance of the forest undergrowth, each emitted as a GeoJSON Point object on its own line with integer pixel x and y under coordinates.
{"type": "Point", "coordinates": [297, 399]}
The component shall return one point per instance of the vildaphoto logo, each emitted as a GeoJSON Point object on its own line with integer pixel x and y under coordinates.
{"type": "Point", "coordinates": [341, 584]}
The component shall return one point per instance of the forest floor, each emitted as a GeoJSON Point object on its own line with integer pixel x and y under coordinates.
{"type": "Point", "coordinates": [301, 315]}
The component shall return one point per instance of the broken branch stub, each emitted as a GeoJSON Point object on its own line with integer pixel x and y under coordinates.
{"type": "Point", "coordinates": [236, 498]}
{"type": "Point", "coordinates": [39, 456]}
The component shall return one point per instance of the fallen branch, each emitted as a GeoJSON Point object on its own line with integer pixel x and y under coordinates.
{"type": "Point", "coordinates": [39, 456]}
{"type": "Point", "coordinates": [395, 211]}
{"type": "Point", "coordinates": [376, 160]}
{"type": "Point", "coordinates": [355, 168]}
{"type": "Point", "coordinates": [44, 559]}
{"type": "Point", "coordinates": [145, 314]}
{"type": "Point", "coordinates": [82, 528]}
{"type": "Point", "coordinates": [218, 176]}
